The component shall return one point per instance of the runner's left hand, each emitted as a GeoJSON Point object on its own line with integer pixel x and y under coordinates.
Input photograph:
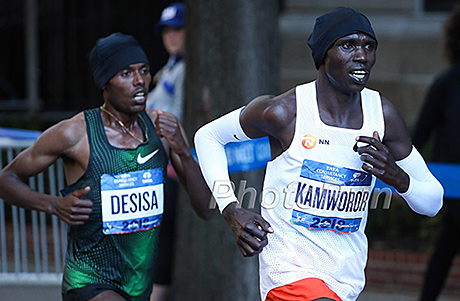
{"type": "Point", "coordinates": [168, 126]}
{"type": "Point", "coordinates": [380, 162]}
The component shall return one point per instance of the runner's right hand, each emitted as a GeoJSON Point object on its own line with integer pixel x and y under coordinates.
{"type": "Point", "coordinates": [250, 229]}
{"type": "Point", "coordinates": [71, 209]}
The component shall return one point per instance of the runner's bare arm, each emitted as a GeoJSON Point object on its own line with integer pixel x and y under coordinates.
{"type": "Point", "coordinates": [264, 116]}
{"type": "Point", "coordinates": [169, 128]}
{"type": "Point", "coordinates": [383, 154]}
{"type": "Point", "coordinates": [271, 116]}
{"type": "Point", "coordinates": [397, 163]}
{"type": "Point", "coordinates": [61, 140]}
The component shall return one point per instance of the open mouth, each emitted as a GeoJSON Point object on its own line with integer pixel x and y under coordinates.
{"type": "Point", "coordinates": [359, 74]}
{"type": "Point", "coordinates": [140, 96]}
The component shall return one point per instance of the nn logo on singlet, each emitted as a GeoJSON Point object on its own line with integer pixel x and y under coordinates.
{"type": "Point", "coordinates": [309, 141]}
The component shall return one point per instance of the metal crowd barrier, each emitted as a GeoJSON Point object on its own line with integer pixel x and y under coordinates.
{"type": "Point", "coordinates": [32, 243]}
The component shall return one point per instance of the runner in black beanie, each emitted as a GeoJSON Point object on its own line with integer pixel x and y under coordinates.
{"type": "Point", "coordinates": [113, 53]}
{"type": "Point", "coordinates": [330, 27]}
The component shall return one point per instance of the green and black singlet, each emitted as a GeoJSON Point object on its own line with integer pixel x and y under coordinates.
{"type": "Point", "coordinates": [116, 246]}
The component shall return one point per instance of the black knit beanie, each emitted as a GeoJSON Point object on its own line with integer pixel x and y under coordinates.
{"type": "Point", "coordinates": [332, 26]}
{"type": "Point", "coordinates": [112, 54]}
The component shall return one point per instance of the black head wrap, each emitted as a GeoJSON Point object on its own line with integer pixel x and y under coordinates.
{"type": "Point", "coordinates": [112, 54]}
{"type": "Point", "coordinates": [332, 26]}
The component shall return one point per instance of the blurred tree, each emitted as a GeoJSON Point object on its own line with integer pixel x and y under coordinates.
{"type": "Point", "coordinates": [232, 57]}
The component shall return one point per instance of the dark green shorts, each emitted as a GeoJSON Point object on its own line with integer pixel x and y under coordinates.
{"type": "Point", "coordinates": [90, 291]}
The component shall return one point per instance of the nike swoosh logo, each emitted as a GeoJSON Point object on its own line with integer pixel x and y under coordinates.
{"type": "Point", "coordinates": [142, 160]}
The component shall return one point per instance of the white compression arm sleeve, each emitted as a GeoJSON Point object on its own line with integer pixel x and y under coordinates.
{"type": "Point", "coordinates": [210, 141]}
{"type": "Point", "coordinates": [425, 193]}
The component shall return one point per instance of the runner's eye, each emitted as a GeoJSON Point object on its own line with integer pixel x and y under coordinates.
{"type": "Point", "coordinates": [347, 45]}
{"type": "Point", "coordinates": [125, 73]}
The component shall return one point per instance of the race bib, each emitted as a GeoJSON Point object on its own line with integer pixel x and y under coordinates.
{"type": "Point", "coordinates": [331, 198]}
{"type": "Point", "coordinates": [132, 201]}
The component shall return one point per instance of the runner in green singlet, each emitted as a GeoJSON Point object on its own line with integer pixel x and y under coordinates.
{"type": "Point", "coordinates": [115, 160]}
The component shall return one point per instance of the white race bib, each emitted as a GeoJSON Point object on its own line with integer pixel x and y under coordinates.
{"type": "Point", "coordinates": [132, 201]}
{"type": "Point", "coordinates": [331, 198]}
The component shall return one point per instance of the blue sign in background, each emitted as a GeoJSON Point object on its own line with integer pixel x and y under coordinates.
{"type": "Point", "coordinates": [18, 134]}
{"type": "Point", "coordinates": [247, 155]}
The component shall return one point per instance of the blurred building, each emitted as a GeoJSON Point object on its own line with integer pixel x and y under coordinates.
{"type": "Point", "coordinates": [46, 44]}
